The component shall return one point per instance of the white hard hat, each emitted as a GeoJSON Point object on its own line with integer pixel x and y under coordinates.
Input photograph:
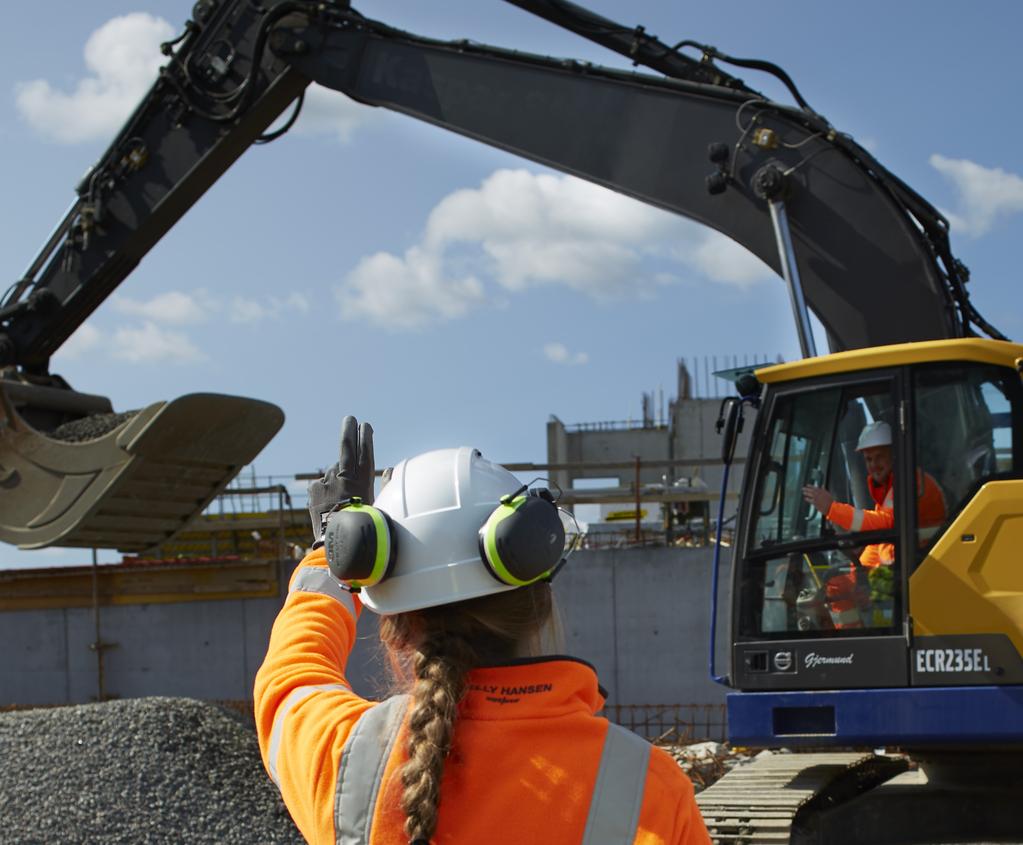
{"type": "Point", "coordinates": [437, 502]}
{"type": "Point", "coordinates": [874, 434]}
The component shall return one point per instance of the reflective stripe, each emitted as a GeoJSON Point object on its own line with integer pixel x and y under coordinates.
{"type": "Point", "coordinates": [317, 579]}
{"type": "Point", "coordinates": [618, 792]}
{"type": "Point", "coordinates": [614, 806]}
{"type": "Point", "coordinates": [857, 520]}
{"type": "Point", "coordinates": [361, 769]}
{"type": "Point", "coordinates": [889, 499]}
{"type": "Point", "coordinates": [849, 618]}
{"type": "Point", "coordinates": [294, 697]}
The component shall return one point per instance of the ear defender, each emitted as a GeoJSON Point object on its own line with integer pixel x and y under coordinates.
{"type": "Point", "coordinates": [359, 544]}
{"type": "Point", "coordinates": [523, 540]}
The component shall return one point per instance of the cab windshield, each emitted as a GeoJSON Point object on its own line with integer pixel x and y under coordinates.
{"type": "Point", "coordinates": [806, 574]}
{"type": "Point", "coordinates": [813, 438]}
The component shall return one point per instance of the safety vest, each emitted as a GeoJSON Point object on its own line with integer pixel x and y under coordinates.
{"type": "Point", "coordinates": [335, 756]}
{"type": "Point", "coordinates": [614, 805]}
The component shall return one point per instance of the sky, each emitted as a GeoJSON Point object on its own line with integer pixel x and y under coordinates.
{"type": "Point", "coordinates": [452, 294]}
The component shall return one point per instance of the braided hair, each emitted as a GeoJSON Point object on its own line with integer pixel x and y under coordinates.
{"type": "Point", "coordinates": [432, 651]}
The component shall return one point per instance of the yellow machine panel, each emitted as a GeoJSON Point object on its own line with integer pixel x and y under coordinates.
{"type": "Point", "coordinates": [971, 582]}
{"type": "Point", "coordinates": [978, 350]}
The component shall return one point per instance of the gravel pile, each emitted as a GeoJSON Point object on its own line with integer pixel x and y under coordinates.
{"type": "Point", "coordinates": [174, 770]}
{"type": "Point", "coordinates": [89, 428]}
{"type": "Point", "coordinates": [148, 770]}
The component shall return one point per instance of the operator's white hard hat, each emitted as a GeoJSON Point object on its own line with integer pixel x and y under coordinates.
{"type": "Point", "coordinates": [437, 502]}
{"type": "Point", "coordinates": [874, 434]}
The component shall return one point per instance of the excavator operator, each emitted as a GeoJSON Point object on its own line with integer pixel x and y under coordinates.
{"type": "Point", "coordinates": [847, 593]}
{"type": "Point", "coordinates": [489, 737]}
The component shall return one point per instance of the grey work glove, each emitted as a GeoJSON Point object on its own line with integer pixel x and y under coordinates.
{"type": "Point", "coordinates": [351, 476]}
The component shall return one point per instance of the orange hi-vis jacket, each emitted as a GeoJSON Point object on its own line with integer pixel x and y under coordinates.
{"type": "Point", "coordinates": [529, 760]}
{"type": "Point", "coordinates": [930, 514]}
{"type": "Point", "coordinates": [847, 597]}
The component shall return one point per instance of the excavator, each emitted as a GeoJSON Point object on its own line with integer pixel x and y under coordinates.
{"type": "Point", "coordinates": [922, 663]}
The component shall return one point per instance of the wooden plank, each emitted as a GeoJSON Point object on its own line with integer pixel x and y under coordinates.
{"type": "Point", "coordinates": [147, 584]}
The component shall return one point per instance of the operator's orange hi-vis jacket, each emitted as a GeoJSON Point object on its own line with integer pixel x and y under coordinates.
{"type": "Point", "coordinates": [931, 513]}
{"type": "Point", "coordinates": [525, 756]}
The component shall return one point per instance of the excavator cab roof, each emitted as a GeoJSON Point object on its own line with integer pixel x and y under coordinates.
{"type": "Point", "coordinates": [981, 350]}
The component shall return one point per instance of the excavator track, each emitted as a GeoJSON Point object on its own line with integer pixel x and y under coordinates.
{"type": "Point", "coordinates": [758, 804]}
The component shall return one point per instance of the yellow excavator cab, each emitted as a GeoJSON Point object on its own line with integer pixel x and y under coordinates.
{"type": "Point", "coordinates": [130, 487]}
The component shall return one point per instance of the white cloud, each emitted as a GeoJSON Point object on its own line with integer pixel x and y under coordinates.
{"type": "Point", "coordinates": [985, 194]}
{"type": "Point", "coordinates": [723, 260]}
{"type": "Point", "coordinates": [406, 292]}
{"type": "Point", "coordinates": [144, 344]}
{"type": "Point", "coordinates": [85, 339]}
{"type": "Point", "coordinates": [180, 308]}
{"type": "Point", "coordinates": [521, 229]}
{"type": "Point", "coordinates": [328, 112]}
{"type": "Point", "coordinates": [252, 311]}
{"type": "Point", "coordinates": [543, 229]}
{"type": "Point", "coordinates": [174, 307]}
{"type": "Point", "coordinates": [122, 58]}
{"type": "Point", "coordinates": [559, 354]}
{"type": "Point", "coordinates": [149, 344]}
{"type": "Point", "coordinates": [151, 340]}
{"type": "Point", "coordinates": [247, 311]}
{"type": "Point", "coordinates": [297, 302]}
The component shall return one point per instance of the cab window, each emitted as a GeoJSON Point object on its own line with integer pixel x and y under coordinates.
{"type": "Point", "coordinates": [967, 426]}
{"type": "Point", "coordinates": [813, 438]}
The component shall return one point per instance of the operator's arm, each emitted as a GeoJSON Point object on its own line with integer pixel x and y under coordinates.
{"type": "Point", "coordinates": [859, 519]}
{"type": "Point", "coordinates": [846, 516]}
{"type": "Point", "coordinates": [304, 707]}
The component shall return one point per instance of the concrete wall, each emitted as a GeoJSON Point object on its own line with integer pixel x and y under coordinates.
{"type": "Point", "coordinates": [203, 649]}
{"type": "Point", "coordinates": [640, 616]}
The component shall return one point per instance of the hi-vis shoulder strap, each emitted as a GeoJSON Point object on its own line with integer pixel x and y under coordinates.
{"type": "Point", "coordinates": [614, 806]}
{"type": "Point", "coordinates": [362, 769]}
{"type": "Point", "coordinates": [618, 792]}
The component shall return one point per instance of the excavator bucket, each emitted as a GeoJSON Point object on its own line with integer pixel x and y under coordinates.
{"type": "Point", "coordinates": [131, 487]}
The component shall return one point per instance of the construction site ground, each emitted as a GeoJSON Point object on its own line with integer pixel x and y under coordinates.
{"type": "Point", "coordinates": [167, 770]}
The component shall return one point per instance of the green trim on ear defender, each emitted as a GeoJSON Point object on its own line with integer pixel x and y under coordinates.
{"type": "Point", "coordinates": [492, 557]}
{"type": "Point", "coordinates": [383, 546]}
{"type": "Point", "coordinates": [359, 546]}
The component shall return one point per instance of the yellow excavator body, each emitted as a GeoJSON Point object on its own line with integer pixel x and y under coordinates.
{"type": "Point", "coordinates": [971, 581]}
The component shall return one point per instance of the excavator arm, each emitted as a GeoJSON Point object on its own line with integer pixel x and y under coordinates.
{"type": "Point", "coordinates": [693, 140]}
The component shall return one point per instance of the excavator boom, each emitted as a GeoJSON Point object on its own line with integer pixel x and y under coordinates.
{"type": "Point", "coordinates": [692, 139]}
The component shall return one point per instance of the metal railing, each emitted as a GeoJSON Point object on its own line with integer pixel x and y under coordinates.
{"type": "Point", "coordinates": [615, 425]}
{"type": "Point", "coordinates": [675, 724]}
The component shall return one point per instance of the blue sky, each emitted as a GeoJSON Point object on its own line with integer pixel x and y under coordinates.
{"type": "Point", "coordinates": [450, 293]}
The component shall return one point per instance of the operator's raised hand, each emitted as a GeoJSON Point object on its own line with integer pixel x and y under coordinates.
{"type": "Point", "coordinates": [819, 498]}
{"type": "Point", "coordinates": [351, 476]}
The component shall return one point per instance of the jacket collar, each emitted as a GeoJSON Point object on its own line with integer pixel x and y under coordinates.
{"type": "Point", "coordinates": [532, 688]}
{"type": "Point", "coordinates": [880, 491]}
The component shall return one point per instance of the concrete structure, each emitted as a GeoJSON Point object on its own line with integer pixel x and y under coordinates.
{"type": "Point", "coordinates": [640, 616]}
{"type": "Point", "coordinates": [676, 462]}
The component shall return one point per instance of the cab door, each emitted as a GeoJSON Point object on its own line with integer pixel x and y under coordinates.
{"type": "Point", "coordinates": [812, 606]}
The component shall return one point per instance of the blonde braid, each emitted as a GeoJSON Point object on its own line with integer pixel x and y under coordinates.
{"type": "Point", "coordinates": [432, 651]}
{"type": "Point", "coordinates": [440, 666]}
